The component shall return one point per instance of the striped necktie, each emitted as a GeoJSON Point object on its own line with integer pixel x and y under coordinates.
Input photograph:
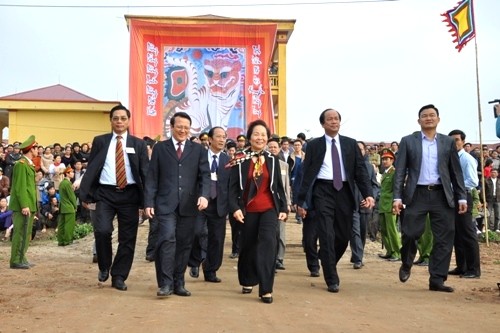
{"type": "Point", "coordinates": [121, 176]}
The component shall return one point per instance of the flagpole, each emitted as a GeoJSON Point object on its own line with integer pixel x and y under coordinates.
{"type": "Point", "coordinates": [480, 119]}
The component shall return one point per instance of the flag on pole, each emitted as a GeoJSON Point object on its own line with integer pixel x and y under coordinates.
{"type": "Point", "coordinates": [461, 22]}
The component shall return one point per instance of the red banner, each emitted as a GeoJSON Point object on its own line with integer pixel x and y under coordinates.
{"type": "Point", "coordinates": [217, 73]}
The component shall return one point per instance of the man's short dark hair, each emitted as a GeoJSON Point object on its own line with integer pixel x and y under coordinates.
{"type": "Point", "coordinates": [301, 136]}
{"type": "Point", "coordinates": [118, 107]}
{"type": "Point", "coordinates": [179, 115]}
{"type": "Point", "coordinates": [428, 106]}
{"type": "Point", "coordinates": [322, 116]}
{"type": "Point", "coordinates": [212, 130]}
{"type": "Point", "coordinates": [457, 132]}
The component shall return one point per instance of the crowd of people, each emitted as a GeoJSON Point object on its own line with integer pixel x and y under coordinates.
{"type": "Point", "coordinates": [341, 190]}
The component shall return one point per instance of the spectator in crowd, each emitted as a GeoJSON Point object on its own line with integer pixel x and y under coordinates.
{"type": "Point", "coordinates": [241, 142]}
{"type": "Point", "coordinates": [11, 159]}
{"type": "Point", "coordinates": [47, 159]}
{"type": "Point", "coordinates": [5, 219]}
{"type": "Point", "coordinates": [56, 170]}
{"type": "Point", "coordinates": [492, 193]}
{"type": "Point", "coordinates": [67, 157]}
{"type": "Point", "coordinates": [4, 185]}
{"type": "Point", "coordinates": [57, 149]}
{"type": "Point", "coordinates": [85, 153]}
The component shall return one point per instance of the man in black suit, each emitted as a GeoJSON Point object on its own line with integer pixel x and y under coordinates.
{"type": "Point", "coordinates": [177, 187]}
{"type": "Point", "coordinates": [213, 219]}
{"type": "Point", "coordinates": [429, 162]}
{"type": "Point", "coordinates": [114, 180]}
{"type": "Point", "coordinates": [333, 166]}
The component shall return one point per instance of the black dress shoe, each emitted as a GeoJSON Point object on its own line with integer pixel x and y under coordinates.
{"type": "Point", "coordinates": [315, 274]}
{"type": "Point", "coordinates": [441, 287]}
{"type": "Point", "coordinates": [164, 291]}
{"type": "Point", "coordinates": [103, 275]}
{"type": "Point", "coordinates": [246, 290]}
{"type": "Point", "coordinates": [212, 278]}
{"type": "Point", "coordinates": [470, 275]}
{"type": "Point", "coordinates": [334, 288]}
{"type": "Point", "coordinates": [150, 258]}
{"type": "Point", "coordinates": [119, 284]}
{"type": "Point", "coordinates": [279, 265]}
{"type": "Point", "coordinates": [194, 272]}
{"type": "Point", "coordinates": [357, 265]}
{"type": "Point", "coordinates": [233, 255]}
{"type": "Point", "coordinates": [94, 259]}
{"type": "Point", "coordinates": [384, 256]}
{"type": "Point", "coordinates": [404, 274]}
{"type": "Point", "coordinates": [266, 299]}
{"type": "Point", "coordinates": [20, 266]}
{"type": "Point", "coordinates": [181, 291]}
{"type": "Point", "coordinates": [455, 271]}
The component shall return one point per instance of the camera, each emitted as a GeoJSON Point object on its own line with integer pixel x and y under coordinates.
{"type": "Point", "coordinates": [494, 102]}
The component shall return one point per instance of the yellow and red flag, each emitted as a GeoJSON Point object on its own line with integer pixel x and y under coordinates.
{"type": "Point", "coordinates": [461, 22]}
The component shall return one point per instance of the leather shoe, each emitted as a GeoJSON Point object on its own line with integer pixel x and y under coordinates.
{"type": "Point", "coordinates": [266, 299]}
{"type": "Point", "coordinates": [164, 291]}
{"type": "Point", "coordinates": [212, 278]}
{"type": "Point", "coordinates": [455, 271]}
{"type": "Point", "coordinates": [470, 275]}
{"type": "Point", "coordinates": [279, 265]}
{"type": "Point", "coordinates": [404, 274]}
{"type": "Point", "coordinates": [181, 291]}
{"type": "Point", "coordinates": [150, 258]}
{"type": "Point", "coordinates": [94, 259]}
{"type": "Point", "coordinates": [384, 256]}
{"type": "Point", "coordinates": [233, 255]}
{"type": "Point", "coordinates": [334, 288]}
{"type": "Point", "coordinates": [315, 274]}
{"type": "Point", "coordinates": [441, 287]}
{"type": "Point", "coordinates": [20, 266]}
{"type": "Point", "coordinates": [119, 284]}
{"type": "Point", "coordinates": [194, 272]}
{"type": "Point", "coordinates": [357, 265]}
{"type": "Point", "coordinates": [246, 290]}
{"type": "Point", "coordinates": [103, 275]}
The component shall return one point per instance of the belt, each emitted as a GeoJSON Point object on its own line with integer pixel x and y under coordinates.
{"type": "Point", "coordinates": [119, 190]}
{"type": "Point", "coordinates": [329, 181]}
{"type": "Point", "coordinates": [431, 187]}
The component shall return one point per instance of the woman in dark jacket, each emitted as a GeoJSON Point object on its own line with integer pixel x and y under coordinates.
{"type": "Point", "coordinates": [257, 200]}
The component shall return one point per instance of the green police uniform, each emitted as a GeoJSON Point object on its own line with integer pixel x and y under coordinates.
{"type": "Point", "coordinates": [67, 209]}
{"type": "Point", "coordinates": [388, 226]}
{"type": "Point", "coordinates": [22, 195]}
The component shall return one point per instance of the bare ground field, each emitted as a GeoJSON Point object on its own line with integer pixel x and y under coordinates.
{"type": "Point", "coordinates": [61, 294]}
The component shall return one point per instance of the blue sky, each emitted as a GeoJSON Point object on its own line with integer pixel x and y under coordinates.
{"type": "Point", "coordinates": [377, 63]}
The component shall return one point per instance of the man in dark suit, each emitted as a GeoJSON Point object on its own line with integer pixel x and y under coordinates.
{"type": "Point", "coordinates": [333, 166]}
{"type": "Point", "coordinates": [212, 220]}
{"type": "Point", "coordinates": [114, 181]}
{"type": "Point", "coordinates": [177, 187]}
{"type": "Point", "coordinates": [429, 162]}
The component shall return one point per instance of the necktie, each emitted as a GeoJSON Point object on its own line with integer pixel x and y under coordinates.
{"type": "Point", "coordinates": [179, 150]}
{"type": "Point", "coordinates": [121, 176]}
{"type": "Point", "coordinates": [337, 174]}
{"type": "Point", "coordinates": [213, 183]}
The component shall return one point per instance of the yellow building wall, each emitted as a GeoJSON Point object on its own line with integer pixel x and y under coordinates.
{"type": "Point", "coordinates": [57, 126]}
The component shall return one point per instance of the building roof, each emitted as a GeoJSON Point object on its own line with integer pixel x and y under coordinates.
{"type": "Point", "coordinates": [56, 92]}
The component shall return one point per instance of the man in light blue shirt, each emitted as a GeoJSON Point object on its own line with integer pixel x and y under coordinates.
{"type": "Point", "coordinates": [466, 245]}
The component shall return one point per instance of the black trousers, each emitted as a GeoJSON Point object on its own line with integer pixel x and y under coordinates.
{"type": "Point", "coordinates": [152, 237]}
{"type": "Point", "coordinates": [442, 220]}
{"type": "Point", "coordinates": [466, 244]}
{"type": "Point", "coordinates": [175, 238]}
{"type": "Point", "coordinates": [310, 241]}
{"type": "Point", "coordinates": [124, 205]}
{"type": "Point", "coordinates": [256, 262]}
{"type": "Point", "coordinates": [199, 248]}
{"type": "Point", "coordinates": [235, 234]}
{"type": "Point", "coordinates": [334, 211]}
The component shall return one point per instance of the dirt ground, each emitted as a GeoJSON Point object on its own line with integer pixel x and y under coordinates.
{"type": "Point", "coordinates": [61, 294]}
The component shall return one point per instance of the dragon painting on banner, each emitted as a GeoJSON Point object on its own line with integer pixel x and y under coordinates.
{"type": "Point", "coordinates": [216, 73]}
{"type": "Point", "coordinates": [207, 84]}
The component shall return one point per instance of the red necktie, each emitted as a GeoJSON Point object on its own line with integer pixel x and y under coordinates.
{"type": "Point", "coordinates": [121, 176]}
{"type": "Point", "coordinates": [337, 174]}
{"type": "Point", "coordinates": [179, 150]}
